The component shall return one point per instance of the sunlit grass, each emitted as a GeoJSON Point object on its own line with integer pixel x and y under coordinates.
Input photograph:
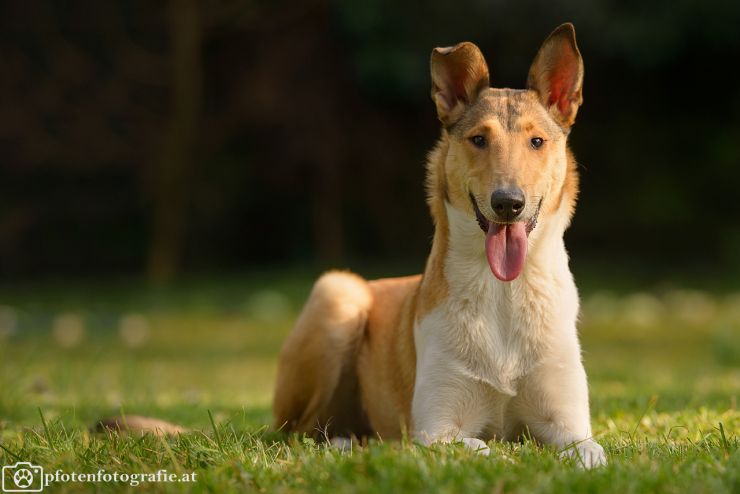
{"type": "Point", "coordinates": [664, 372]}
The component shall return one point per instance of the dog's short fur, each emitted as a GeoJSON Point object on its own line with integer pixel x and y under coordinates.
{"type": "Point", "coordinates": [459, 354]}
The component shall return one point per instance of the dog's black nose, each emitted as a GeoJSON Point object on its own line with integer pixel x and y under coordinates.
{"type": "Point", "coordinates": [507, 204]}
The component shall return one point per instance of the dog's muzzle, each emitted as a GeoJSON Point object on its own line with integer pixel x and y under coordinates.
{"type": "Point", "coordinates": [514, 203]}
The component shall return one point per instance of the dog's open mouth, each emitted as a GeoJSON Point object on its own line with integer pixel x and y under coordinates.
{"type": "Point", "coordinates": [506, 243]}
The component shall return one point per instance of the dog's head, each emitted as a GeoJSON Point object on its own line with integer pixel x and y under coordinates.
{"type": "Point", "coordinates": [507, 162]}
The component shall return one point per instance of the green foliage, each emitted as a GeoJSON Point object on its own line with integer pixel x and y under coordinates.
{"type": "Point", "coordinates": [315, 119]}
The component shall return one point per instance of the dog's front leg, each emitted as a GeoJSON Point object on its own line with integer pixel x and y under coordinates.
{"type": "Point", "coordinates": [449, 409]}
{"type": "Point", "coordinates": [553, 405]}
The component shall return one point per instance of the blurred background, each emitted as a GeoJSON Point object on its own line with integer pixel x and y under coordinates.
{"type": "Point", "coordinates": [174, 174]}
{"type": "Point", "coordinates": [162, 138]}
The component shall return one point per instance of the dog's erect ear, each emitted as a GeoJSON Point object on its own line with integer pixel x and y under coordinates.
{"type": "Point", "coordinates": [459, 73]}
{"type": "Point", "coordinates": [557, 74]}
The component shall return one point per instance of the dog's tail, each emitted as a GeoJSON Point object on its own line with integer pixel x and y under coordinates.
{"type": "Point", "coordinates": [138, 425]}
{"type": "Point", "coordinates": [316, 382]}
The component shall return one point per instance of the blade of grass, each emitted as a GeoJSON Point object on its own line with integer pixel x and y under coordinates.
{"type": "Point", "coordinates": [10, 453]}
{"type": "Point", "coordinates": [650, 405]}
{"type": "Point", "coordinates": [46, 429]}
{"type": "Point", "coordinates": [215, 432]}
{"type": "Point", "coordinates": [725, 444]}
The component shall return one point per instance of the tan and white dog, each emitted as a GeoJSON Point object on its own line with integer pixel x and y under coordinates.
{"type": "Point", "coordinates": [483, 345]}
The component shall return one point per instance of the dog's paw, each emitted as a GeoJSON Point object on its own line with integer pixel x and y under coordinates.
{"type": "Point", "coordinates": [476, 445]}
{"type": "Point", "coordinates": [587, 454]}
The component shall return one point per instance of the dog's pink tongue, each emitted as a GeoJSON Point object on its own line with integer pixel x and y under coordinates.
{"type": "Point", "coordinates": [506, 248]}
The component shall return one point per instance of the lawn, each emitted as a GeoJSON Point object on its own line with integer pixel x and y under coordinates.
{"type": "Point", "coordinates": [663, 364]}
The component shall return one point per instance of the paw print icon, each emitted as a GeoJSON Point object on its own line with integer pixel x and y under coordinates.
{"type": "Point", "coordinates": [23, 477]}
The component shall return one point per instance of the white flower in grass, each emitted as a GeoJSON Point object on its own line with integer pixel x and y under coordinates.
{"type": "Point", "coordinates": [731, 307]}
{"type": "Point", "coordinates": [600, 308]}
{"type": "Point", "coordinates": [692, 307]}
{"type": "Point", "coordinates": [8, 321]}
{"type": "Point", "coordinates": [68, 329]}
{"type": "Point", "coordinates": [114, 399]}
{"type": "Point", "coordinates": [134, 330]}
{"type": "Point", "coordinates": [192, 395]}
{"type": "Point", "coordinates": [643, 310]}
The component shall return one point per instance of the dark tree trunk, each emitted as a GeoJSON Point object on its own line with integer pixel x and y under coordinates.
{"type": "Point", "coordinates": [173, 169]}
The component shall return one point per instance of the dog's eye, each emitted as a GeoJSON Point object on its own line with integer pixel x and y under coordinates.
{"type": "Point", "coordinates": [536, 142]}
{"type": "Point", "coordinates": [478, 141]}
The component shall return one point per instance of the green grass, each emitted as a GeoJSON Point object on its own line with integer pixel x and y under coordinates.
{"type": "Point", "coordinates": [664, 373]}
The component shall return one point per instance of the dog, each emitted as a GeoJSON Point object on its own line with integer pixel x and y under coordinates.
{"type": "Point", "coordinates": [483, 345]}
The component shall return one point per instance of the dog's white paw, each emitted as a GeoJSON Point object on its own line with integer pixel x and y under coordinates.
{"type": "Point", "coordinates": [343, 444]}
{"type": "Point", "coordinates": [476, 445]}
{"type": "Point", "coordinates": [587, 454]}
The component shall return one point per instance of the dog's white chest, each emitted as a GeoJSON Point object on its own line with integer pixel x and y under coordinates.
{"type": "Point", "coordinates": [486, 334]}
{"type": "Point", "coordinates": [490, 331]}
